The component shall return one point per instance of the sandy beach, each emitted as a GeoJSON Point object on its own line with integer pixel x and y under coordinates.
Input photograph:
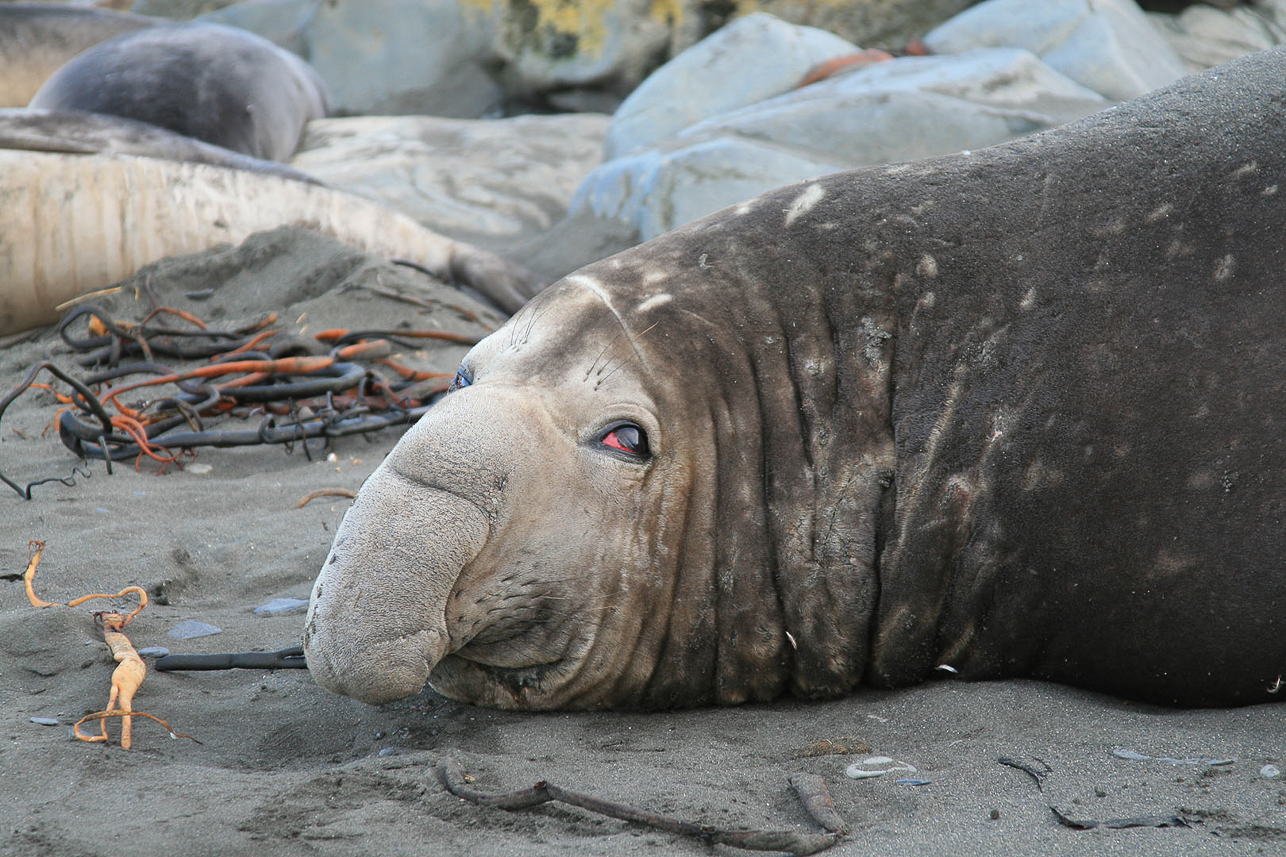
{"type": "Point", "coordinates": [287, 768]}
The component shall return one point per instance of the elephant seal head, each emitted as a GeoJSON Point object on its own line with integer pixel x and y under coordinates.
{"type": "Point", "coordinates": [603, 512]}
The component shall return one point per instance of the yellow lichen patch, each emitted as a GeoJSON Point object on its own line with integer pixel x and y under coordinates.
{"type": "Point", "coordinates": [585, 20]}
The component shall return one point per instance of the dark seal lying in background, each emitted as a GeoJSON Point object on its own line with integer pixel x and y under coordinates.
{"type": "Point", "coordinates": [1016, 412]}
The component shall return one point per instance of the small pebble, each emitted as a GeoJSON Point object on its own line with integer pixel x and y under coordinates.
{"type": "Point", "coordinates": [1270, 771]}
{"type": "Point", "coordinates": [199, 469]}
{"type": "Point", "coordinates": [913, 782]}
{"type": "Point", "coordinates": [1129, 754]}
{"type": "Point", "coordinates": [154, 652]}
{"type": "Point", "coordinates": [45, 721]}
{"type": "Point", "coordinates": [389, 751]}
{"type": "Point", "coordinates": [281, 606]}
{"type": "Point", "coordinates": [995, 814]}
{"type": "Point", "coordinates": [190, 629]}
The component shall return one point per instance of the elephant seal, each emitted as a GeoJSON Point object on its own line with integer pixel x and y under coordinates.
{"type": "Point", "coordinates": [217, 84]}
{"type": "Point", "coordinates": [74, 223]}
{"type": "Point", "coordinates": [36, 39]}
{"type": "Point", "coordinates": [1014, 412]}
{"type": "Point", "coordinates": [80, 133]}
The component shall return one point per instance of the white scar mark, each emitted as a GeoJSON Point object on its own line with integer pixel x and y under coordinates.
{"type": "Point", "coordinates": [1248, 169]}
{"type": "Point", "coordinates": [592, 284]}
{"type": "Point", "coordinates": [596, 288]}
{"type": "Point", "coordinates": [1162, 211]}
{"type": "Point", "coordinates": [804, 203]}
{"type": "Point", "coordinates": [1224, 267]}
{"type": "Point", "coordinates": [653, 302]}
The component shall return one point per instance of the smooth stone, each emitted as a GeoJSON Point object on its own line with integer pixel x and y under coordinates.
{"type": "Point", "coordinates": [913, 107]}
{"type": "Point", "coordinates": [281, 606]}
{"type": "Point", "coordinates": [1109, 46]}
{"type": "Point", "coordinates": [190, 629]}
{"type": "Point", "coordinates": [384, 56]}
{"type": "Point", "coordinates": [490, 182]}
{"type": "Point", "coordinates": [154, 652]}
{"type": "Point", "coordinates": [45, 721]}
{"type": "Point", "coordinates": [1204, 36]}
{"type": "Point", "coordinates": [695, 84]}
{"type": "Point", "coordinates": [1270, 771]}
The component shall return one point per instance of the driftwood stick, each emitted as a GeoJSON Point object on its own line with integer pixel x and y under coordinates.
{"type": "Point", "coordinates": [811, 789]}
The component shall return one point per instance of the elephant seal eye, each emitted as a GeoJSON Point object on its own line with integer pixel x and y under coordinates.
{"type": "Point", "coordinates": [628, 438]}
{"type": "Point", "coordinates": [463, 378]}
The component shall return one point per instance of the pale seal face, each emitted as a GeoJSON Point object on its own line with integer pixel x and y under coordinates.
{"type": "Point", "coordinates": [552, 471]}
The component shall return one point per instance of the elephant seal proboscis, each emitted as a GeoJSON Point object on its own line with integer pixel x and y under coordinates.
{"type": "Point", "coordinates": [1014, 412]}
{"type": "Point", "coordinates": [217, 84]}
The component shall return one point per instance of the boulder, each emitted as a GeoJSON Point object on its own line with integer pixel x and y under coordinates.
{"type": "Point", "coordinates": [907, 108]}
{"type": "Point", "coordinates": [1109, 46]}
{"type": "Point", "coordinates": [1204, 36]}
{"type": "Point", "coordinates": [384, 56]}
{"type": "Point", "coordinates": [697, 84]}
{"type": "Point", "coordinates": [489, 182]}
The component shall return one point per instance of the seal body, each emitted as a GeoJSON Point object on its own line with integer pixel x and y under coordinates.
{"type": "Point", "coordinates": [78, 132]}
{"type": "Point", "coordinates": [217, 84]}
{"type": "Point", "coordinates": [1017, 412]}
{"type": "Point", "coordinates": [37, 38]}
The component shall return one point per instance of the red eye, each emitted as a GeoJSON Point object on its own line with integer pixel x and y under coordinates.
{"type": "Point", "coordinates": [627, 438]}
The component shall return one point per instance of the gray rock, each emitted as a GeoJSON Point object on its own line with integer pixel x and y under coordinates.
{"type": "Point", "coordinates": [154, 652]}
{"type": "Point", "coordinates": [190, 629]}
{"type": "Point", "coordinates": [656, 190]}
{"type": "Point", "coordinates": [1109, 46]}
{"type": "Point", "coordinates": [902, 109]}
{"type": "Point", "coordinates": [698, 83]}
{"type": "Point", "coordinates": [384, 56]}
{"type": "Point", "coordinates": [1204, 36]}
{"type": "Point", "coordinates": [45, 721]}
{"type": "Point", "coordinates": [281, 607]}
{"type": "Point", "coordinates": [489, 182]}
{"type": "Point", "coordinates": [874, 23]}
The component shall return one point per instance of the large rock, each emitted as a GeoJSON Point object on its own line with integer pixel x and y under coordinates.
{"type": "Point", "coordinates": [695, 85]}
{"type": "Point", "coordinates": [902, 109]}
{"type": "Point", "coordinates": [489, 182]}
{"type": "Point", "coordinates": [384, 56]}
{"type": "Point", "coordinates": [1205, 36]}
{"type": "Point", "coordinates": [1109, 46]}
{"type": "Point", "coordinates": [471, 58]}
{"type": "Point", "coordinates": [60, 32]}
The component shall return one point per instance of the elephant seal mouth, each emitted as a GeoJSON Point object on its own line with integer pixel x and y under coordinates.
{"type": "Point", "coordinates": [528, 687]}
{"type": "Point", "coordinates": [382, 671]}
